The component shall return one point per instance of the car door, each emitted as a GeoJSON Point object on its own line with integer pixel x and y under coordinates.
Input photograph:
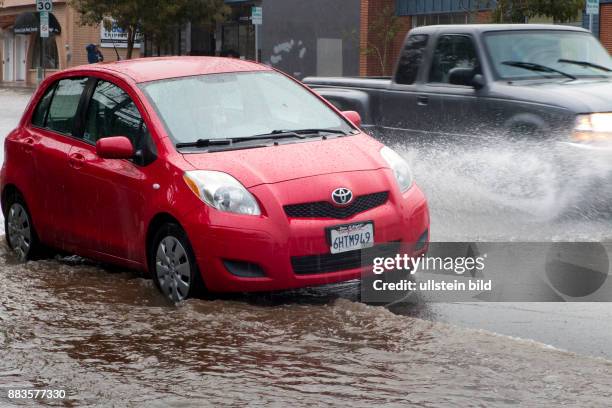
{"type": "Point", "coordinates": [109, 194]}
{"type": "Point", "coordinates": [452, 110]}
{"type": "Point", "coordinates": [401, 107]}
{"type": "Point", "coordinates": [50, 135]}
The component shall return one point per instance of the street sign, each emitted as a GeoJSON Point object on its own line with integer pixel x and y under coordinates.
{"type": "Point", "coordinates": [44, 24]}
{"type": "Point", "coordinates": [592, 7]}
{"type": "Point", "coordinates": [256, 15]}
{"type": "Point", "coordinates": [44, 5]}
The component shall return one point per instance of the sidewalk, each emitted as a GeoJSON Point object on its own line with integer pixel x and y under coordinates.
{"type": "Point", "coordinates": [17, 85]}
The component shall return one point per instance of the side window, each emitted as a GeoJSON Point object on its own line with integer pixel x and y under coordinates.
{"type": "Point", "coordinates": [112, 112]}
{"type": "Point", "coordinates": [411, 59]}
{"type": "Point", "coordinates": [64, 105]}
{"type": "Point", "coordinates": [40, 113]}
{"type": "Point", "coordinates": [452, 51]}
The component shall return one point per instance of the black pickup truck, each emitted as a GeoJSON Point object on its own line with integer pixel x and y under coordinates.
{"type": "Point", "coordinates": [472, 80]}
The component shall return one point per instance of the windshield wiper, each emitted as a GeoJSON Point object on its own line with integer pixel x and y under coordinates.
{"type": "Point", "coordinates": [282, 134]}
{"type": "Point", "coordinates": [318, 131]}
{"type": "Point", "coordinates": [531, 66]}
{"type": "Point", "coordinates": [205, 143]}
{"type": "Point", "coordinates": [585, 64]}
{"type": "Point", "coordinates": [275, 134]}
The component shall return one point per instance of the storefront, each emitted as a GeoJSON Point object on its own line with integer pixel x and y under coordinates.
{"type": "Point", "coordinates": [237, 35]}
{"type": "Point", "coordinates": [23, 52]}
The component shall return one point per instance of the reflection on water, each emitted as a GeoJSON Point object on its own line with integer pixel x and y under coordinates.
{"type": "Point", "coordinates": [108, 338]}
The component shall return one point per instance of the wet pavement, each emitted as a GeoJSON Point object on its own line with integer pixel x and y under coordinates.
{"type": "Point", "coordinates": [108, 338]}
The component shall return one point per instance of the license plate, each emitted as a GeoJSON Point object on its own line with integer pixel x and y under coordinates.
{"type": "Point", "coordinates": [351, 237]}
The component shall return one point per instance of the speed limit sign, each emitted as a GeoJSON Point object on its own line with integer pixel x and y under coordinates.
{"type": "Point", "coordinates": [44, 5]}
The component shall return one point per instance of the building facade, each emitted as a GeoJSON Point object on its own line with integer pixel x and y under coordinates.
{"type": "Point", "coordinates": [20, 47]}
{"type": "Point", "coordinates": [302, 38]}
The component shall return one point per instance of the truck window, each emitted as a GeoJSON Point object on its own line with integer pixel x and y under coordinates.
{"type": "Point", "coordinates": [452, 51]}
{"type": "Point", "coordinates": [410, 59]}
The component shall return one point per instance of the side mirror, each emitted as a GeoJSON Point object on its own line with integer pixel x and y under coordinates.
{"type": "Point", "coordinates": [461, 76]}
{"type": "Point", "coordinates": [478, 82]}
{"type": "Point", "coordinates": [467, 77]}
{"type": "Point", "coordinates": [354, 117]}
{"type": "Point", "coordinates": [116, 147]}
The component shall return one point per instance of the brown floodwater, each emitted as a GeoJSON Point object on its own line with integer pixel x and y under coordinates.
{"type": "Point", "coordinates": [108, 339]}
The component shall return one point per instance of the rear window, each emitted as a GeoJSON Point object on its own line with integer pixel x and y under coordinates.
{"type": "Point", "coordinates": [64, 105]}
{"type": "Point", "coordinates": [411, 58]}
{"type": "Point", "coordinates": [40, 113]}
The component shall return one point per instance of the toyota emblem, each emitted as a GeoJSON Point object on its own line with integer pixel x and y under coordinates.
{"type": "Point", "coordinates": [342, 196]}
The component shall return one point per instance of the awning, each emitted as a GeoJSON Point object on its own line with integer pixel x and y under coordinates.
{"type": "Point", "coordinates": [29, 22]}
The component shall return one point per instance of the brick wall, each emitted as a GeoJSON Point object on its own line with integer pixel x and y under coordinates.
{"type": "Point", "coordinates": [85, 35]}
{"type": "Point", "coordinates": [605, 26]}
{"type": "Point", "coordinates": [369, 65]}
{"type": "Point", "coordinates": [484, 17]}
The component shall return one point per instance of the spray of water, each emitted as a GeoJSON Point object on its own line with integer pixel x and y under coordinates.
{"type": "Point", "coordinates": [512, 190]}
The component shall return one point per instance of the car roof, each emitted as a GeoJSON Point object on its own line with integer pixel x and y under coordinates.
{"type": "Point", "coordinates": [480, 28]}
{"type": "Point", "coordinates": [156, 68]}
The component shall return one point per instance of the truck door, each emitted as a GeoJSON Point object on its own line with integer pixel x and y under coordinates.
{"type": "Point", "coordinates": [452, 110]}
{"type": "Point", "coordinates": [400, 108]}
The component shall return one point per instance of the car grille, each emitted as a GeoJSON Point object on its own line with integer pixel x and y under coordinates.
{"type": "Point", "coordinates": [324, 209]}
{"type": "Point", "coordinates": [313, 264]}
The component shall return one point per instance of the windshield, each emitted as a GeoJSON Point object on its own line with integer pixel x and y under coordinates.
{"type": "Point", "coordinates": [236, 105]}
{"type": "Point", "coordinates": [546, 48]}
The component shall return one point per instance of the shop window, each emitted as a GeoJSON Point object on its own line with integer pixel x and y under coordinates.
{"type": "Point", "coordinates": [50, 57]}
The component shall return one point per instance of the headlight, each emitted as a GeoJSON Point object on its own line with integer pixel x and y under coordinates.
{"type": "Point", "coordinates": [593, 127]}
{"type": "Point", "coordinates": [400, 168]}
{"type": "Point", "coordinates": [221, 191]}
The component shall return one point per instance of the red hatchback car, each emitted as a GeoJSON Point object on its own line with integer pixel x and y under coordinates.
{"type": "Point", "coordinates": [207, 172]}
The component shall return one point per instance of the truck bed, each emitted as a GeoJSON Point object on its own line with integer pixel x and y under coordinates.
{"type": "Point", "coordinates": [350, 82]}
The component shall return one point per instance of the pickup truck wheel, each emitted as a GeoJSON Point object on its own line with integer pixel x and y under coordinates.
{"type": "Point", "coordinates": [20, 234]}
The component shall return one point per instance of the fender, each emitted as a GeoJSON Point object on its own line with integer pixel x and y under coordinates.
{"type": "Point", "coordinates": [529, 121]}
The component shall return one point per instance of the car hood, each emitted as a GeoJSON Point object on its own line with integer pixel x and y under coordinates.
{"type": "Point", "coordinates": [580, 96]}
{"type": "Point", "coordinates": [310, 157]}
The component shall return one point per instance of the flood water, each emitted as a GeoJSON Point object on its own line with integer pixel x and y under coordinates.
{"type": "Point", "coordinates": [107, 337]}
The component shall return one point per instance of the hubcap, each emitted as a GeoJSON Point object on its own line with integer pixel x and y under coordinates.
{"type": "Point", "coordinates": [173, 269]}
{"type": "Point", "coordinates": [19, 231]}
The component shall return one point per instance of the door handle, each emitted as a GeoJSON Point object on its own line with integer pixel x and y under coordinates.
{"type": "Point", "coordinates": [28, 145]}
{"type": "Point", "coordinates": [422, 100]}
{"type": "Point", "coordinates": [76, 160]}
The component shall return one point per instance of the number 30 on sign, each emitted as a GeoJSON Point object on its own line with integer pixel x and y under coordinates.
{"type": "Point", "coordinates": [44, 5]}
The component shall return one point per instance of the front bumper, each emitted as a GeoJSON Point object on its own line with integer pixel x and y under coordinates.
{"type": "Point", "coordinates": [272, 241]}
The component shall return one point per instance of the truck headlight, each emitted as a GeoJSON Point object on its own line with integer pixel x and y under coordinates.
{"type": "Point", "coordinates": [400, 168]}
{"type": "Point", "coordinates": [221, 191]}
{"type": "Point", "coordinates": [593, 127]}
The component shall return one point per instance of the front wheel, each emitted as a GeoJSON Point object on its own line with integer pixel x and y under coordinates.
{"type": "Point", "coordinates": [20, 234]}
{"type": "Point", "coordinates": [173, 264]}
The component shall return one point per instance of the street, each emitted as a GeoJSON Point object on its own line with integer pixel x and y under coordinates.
{"type": "Point", "coordinates": [104, 334]}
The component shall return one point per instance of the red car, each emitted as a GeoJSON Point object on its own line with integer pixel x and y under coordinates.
{"type": "Point", "coordinates": [207, 172]}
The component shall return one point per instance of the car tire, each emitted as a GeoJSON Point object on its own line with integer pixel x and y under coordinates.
{"type": "Point", "coordinates": [20, 235]}
{"type": "Point", "coordinates": [173, 266]}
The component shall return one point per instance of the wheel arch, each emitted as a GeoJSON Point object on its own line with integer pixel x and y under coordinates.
{"type": "Point", "coordinates": [156, 222]}
{"type": "Point", "coordinates": [8, 191]}
{"type": "Point", "coordinates": [527, 125]}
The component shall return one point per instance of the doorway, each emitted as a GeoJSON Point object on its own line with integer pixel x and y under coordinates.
{"type": "Point", "coordinates": [21, 52]}
{"type": "Point", "coordinates": [7, 58]}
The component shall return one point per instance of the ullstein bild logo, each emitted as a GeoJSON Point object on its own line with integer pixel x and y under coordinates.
{"type": "Point", "coordinates": [342, 196]}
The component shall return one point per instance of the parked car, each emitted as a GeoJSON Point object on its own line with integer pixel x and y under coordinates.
{"type": "Point", "coordinates": [488, 81]}
{"type": "Point", "coordinates": [206, 172]}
